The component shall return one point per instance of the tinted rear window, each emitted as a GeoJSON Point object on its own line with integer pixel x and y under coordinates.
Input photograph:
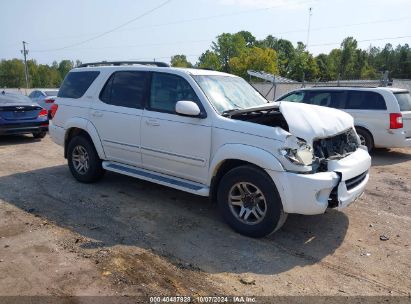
{"type": "Point", "coordinates": [404, 100]}
{"type": "Point", "coordinates": [77, 83]}
{"type": "Point", "coordinates": [361, 100]}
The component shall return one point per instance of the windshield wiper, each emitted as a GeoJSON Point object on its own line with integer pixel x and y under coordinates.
{"type": "Point", "coordinates": [227, 113]}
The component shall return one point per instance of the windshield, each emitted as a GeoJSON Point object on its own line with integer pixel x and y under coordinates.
{"type": "Point", "coordinates": [51, 93]}
{"type": "Point", "coordinates": [229, 93]}
{"type": "Point", "coordinates": [404, 100]}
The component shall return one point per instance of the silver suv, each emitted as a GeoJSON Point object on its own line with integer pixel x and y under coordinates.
{"type": "Point", "coordinates": [382, 116]}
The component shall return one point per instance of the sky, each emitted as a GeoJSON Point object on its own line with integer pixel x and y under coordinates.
{"type": "Point", "coordinates": [96, 30]}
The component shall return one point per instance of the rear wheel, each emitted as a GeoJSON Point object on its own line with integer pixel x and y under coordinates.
{"type": "Point", "coordinates": [365, 139]}
{"type": "Point", "coordinates": [83, 160]}
{"type": "Point", "coordinates": [250, 203]}
{"type": "Point", "coordinates": [40, 134]}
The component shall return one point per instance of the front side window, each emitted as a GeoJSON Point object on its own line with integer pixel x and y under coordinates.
{"type": "Point", "coordinates": [77, 83]}
{"type": "Point", "coordinates": [126, 89]}
{"type": "Point", "coordinates": [362, 100]}
{"type": "Point", "coordinates": [295, 97]}
{"type": "Point", "coordinates": [167, 90]}
{"type": "Point", "coordinates": [404, 101]}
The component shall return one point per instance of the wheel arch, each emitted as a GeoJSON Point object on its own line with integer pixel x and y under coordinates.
{"type": "Point", "coordinates": [86, 129]}
{"type": "Point", "coordinates": [232, 156]}
{"type": "Point", "coordinates": [365, 129]}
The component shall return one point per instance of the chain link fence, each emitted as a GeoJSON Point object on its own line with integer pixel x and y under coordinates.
{"type": "Point", "coordinates": [272, 91]}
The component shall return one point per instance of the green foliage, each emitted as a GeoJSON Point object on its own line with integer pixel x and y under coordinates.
{"type": "Point", "coordinates": [256, 59]}
{"type": "Point", "coordinates": [40, 75]}
{"type": "Point", "coordinates": [180, 61]}
{"type": "Point", "coordinates": [229, 46]}
{"type": "Point", "coordinates": [210, 61]}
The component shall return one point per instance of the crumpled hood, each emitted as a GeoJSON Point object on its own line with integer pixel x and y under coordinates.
{"type": "Point", "coordinates": [310, 122]}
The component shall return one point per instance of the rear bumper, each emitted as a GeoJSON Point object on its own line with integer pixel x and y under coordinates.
{"type": "Point", "coordinates": [23, 128]}
{"type": "Point", "coordinates": [57, 134]}
{"type": "Point", "coordinates": [393, 139]}
{"type": "Point", "coordinates": [314, 193]}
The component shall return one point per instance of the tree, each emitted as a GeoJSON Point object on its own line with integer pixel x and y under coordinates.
{"type": "Point", "coordinates": [180, 61]}
{"type": "Point", "coordinates": [250, 40]}
{"type": "Point", "coordinates": [209, 61]}
{"type": "Point", "coordinates": [303, 66]}
{"type": "Point", "coordinates": [255, 58]}
{"type": "Point", "coordinates": [227, 47]}
{"type": "Point", "coordinates": [64, 67]}
{"type": "Point", "coordinates": [348, 58]}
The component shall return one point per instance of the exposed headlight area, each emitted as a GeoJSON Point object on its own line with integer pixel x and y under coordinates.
{"type": "Point", "coordinates": [298, 153]}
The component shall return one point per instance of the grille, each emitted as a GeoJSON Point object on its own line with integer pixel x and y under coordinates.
{"type": "Point", "coordinates": [354, 182]}
{"type": "Point", "coordinates": [336, 147]}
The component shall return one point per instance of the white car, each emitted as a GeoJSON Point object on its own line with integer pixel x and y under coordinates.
{"type": "Point", "coordinates": [210, 134]}
{"type": "Point", "coordinates": [382, 116]}
{"type": "Point", "coordinates": [44, 97]}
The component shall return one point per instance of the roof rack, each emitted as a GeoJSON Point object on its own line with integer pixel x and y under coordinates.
{"type": "Point", "coordinates": [119, 63]}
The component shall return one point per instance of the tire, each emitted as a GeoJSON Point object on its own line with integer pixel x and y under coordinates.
{"type": "Point", "coordinates": [257, 183]}
{"type": "Point", "coordinates": [366, 139]}
{"type": "Point", "coordinates": [40, 134]}
{"type": "Point", "coordinates": [83, 160]}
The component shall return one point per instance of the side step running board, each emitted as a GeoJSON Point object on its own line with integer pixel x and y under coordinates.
{"type": "Point", "coordinates": [158, 178]}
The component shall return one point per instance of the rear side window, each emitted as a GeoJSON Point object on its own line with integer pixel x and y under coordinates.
{"type": "Point", "coordinates": [126, 89]}
{"type": "Point", "coordinates": [332, 99]}
{"type": "Point", "coordinates": [404, 101]}
{"type": "Point", "coordinates": [361, 100]}
{"type": "Point", "coordinates": [77, 83]}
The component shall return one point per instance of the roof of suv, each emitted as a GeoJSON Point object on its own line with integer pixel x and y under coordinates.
{"type": "Point", "coordinates": [193, 72]}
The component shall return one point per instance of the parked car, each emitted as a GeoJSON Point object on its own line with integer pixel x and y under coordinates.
{"type": "Point", "coordinates": [20, 115]}
{"type": "Point", "coordinates": [210, 134]}
{"type": "Point", "coordinates": [44, 97]}
{"type": "Point", "coordinates": [382, 116]}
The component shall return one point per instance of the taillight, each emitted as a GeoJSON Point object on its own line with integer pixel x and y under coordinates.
{"type": "Point", "coordinates": [43, 113]}
{"type": "Point", "coordinates": [53, 110]}
{"type": "Point", "coordinates": [49, 100]}
{"type": "Point", "coordinates": [396, 121]}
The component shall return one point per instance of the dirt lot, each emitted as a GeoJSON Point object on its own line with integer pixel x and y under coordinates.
{"type": "Point", "coordinates": [123, 236]}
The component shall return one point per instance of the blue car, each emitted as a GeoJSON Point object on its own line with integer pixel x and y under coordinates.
{"type": "Point", "coordinates": [20, 115]}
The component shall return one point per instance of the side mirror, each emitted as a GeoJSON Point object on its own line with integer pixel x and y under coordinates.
{"type": "Point", "coordinates": [187, 108]}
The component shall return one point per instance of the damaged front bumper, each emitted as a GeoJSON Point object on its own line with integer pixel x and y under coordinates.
{"type": "Point", "coordinates": [341, 185]}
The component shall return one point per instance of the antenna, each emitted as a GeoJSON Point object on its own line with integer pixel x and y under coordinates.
{"type": "Point", "coordinates": [310, 13]}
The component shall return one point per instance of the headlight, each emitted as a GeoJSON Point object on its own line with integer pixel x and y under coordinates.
{"type": "Point", "coordinates": [297, 151]}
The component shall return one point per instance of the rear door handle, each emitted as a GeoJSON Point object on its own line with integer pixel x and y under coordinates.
{"type": "Point", "coordinates": [97, 114]}
{"type": "Point", "coordinates": [152, 122]}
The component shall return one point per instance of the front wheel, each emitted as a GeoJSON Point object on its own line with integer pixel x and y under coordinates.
{"type": "Point", "coordinates": [83, 160]}
{"type": "Point", "coordinates": [250, 203]}
{"type": "Point", "coordinates": [365, 139]}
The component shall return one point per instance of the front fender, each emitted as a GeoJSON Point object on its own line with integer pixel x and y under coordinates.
{"type": "Point", "coordinates": [87, 126]}
{"type": "Point", "coordinates": [250, 154]}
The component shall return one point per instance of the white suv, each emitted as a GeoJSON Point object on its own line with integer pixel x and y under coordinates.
{"type": "Point", "coordinates": [210, 134]}
{"type": "Point", "coordinates": [382, 116]}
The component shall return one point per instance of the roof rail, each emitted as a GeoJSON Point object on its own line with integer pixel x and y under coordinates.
{"type": "Point", "coordinates": [346, 86]}
{"type": "Point", "coordinates": [119, 63]}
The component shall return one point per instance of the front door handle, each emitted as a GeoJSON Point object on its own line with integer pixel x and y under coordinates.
{"type": "Point", "coordinates": [152, 122]}
{"type": "Point", "coordinates": [97, 114]}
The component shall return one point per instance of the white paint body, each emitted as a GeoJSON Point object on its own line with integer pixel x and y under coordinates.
{"type": "Point", "coordinates": [177, 151]}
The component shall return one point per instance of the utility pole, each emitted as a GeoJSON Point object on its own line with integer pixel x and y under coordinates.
{"type": "Point", "coordinates": [26, 71]}
{"type": "Point", "coordinates": [310, 13]}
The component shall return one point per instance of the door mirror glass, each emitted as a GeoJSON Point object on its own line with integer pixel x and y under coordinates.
{"type": "Point", "coordinates": [187, 108]}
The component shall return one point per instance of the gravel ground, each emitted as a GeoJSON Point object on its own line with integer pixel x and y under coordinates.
{"type": "Point", "coordinates": [123, 236]}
